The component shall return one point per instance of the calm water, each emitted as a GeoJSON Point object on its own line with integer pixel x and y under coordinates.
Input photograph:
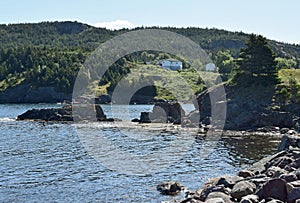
{"type": "Point", "coordinates": [48, 162]}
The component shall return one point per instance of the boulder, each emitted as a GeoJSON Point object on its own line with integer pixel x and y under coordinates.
{"type": "Point", "coordinates": [289, 177]}
{"type": "Point", "coordinates": [164, 112]}
{"type": "Point", "coordinates": [293, 195]}
{"type": "Point", "coordinates": [145, 117]}
{"type": "Point", "coordinates": [215, 200]}
{"type": "Point", "coordinates": [243, 188]}
{"type": "Point", "coordinates": [276, 189]}
{"type": "Point", "coordinates": [287, 141]}
{"type": "Point", "coordinates": [229, 181]}
{"type": "Point", "coordinates": [250, 199]}
{"type": "Point", "coordinates": [210, 189]}
{"type": "Point", "coordinates": [218, 195]}
{"type": "Point", "coordinates": [169, 188]}
{"type": "Point", "coordinates": [245, 174]}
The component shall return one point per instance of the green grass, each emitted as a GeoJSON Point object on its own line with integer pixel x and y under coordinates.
{"type": "Point", "coordinates": [181, 85]}
{"type": "Point", "coordinates": [286, 74]}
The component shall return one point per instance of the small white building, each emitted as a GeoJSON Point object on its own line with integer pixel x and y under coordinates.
{"type": "Point", "coordinates": [211, 67]}
{"type": "Point", "coordinates": [170, 64]}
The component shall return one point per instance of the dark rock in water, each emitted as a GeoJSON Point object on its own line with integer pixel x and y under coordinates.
{"type": "Point", "coordinates": [66, 113]}
{"type": "Point", "coordinates": [243, 188]}
{"type": "Point", "coordinates": [145, 117]}
{"type": "Point", "coordinates": [164, 112]}
{"type": "Point", "coordinates": [169, 188]}
{"type": "Point", "coordinates": [135, 120]}
{"type": "Point", "coordinates": [276, 189]}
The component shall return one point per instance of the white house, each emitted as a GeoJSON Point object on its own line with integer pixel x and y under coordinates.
{"type": "Point", "coordinates": [170, 64]}
{"type": "Point", "coordinates": [211, 67]}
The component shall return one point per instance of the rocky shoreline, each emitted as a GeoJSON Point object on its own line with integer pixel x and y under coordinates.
{"type": "Point", "coordinates": [273, 179]}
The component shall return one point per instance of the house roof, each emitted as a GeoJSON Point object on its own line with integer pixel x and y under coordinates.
{"type": "Point", "coordinates": [172, 60]}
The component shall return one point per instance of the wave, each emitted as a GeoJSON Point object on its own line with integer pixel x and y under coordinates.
{"type": "Point", "coordinates": [6, 119]}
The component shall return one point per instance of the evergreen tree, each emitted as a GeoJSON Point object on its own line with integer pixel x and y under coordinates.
{"type": "Point", "coordinates": [256, 63]}
{"type": "Point", "coordinates": [257, 58]}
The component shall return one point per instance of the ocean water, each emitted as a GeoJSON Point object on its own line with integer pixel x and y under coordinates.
{"type": "Point", "coordinates": [54, 162]}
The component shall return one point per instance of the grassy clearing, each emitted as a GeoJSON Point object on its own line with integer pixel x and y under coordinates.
{"type": "Point", "coordinates": [287, 74]}
{"type": "Point", "coordinates": [181, 85]}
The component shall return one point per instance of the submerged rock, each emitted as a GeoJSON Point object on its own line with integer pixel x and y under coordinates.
{"type": "Point", "coordinates": [169, 188]}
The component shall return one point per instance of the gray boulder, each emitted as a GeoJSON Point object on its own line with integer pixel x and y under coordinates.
{"type": "Point", "coordinates": [242, 189]}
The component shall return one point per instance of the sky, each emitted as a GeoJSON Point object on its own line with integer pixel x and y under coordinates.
{"type": "Point", "coordinates": [274, 19]}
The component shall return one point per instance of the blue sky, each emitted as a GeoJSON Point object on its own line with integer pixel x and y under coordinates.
{"type": "Point", "coordinates": [277, 20]}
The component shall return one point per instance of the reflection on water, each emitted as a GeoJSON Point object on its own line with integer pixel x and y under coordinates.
{"type": "Point", "coordinates": [49, 163]}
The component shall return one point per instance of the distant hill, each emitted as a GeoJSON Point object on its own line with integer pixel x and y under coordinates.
{"type": "Point", "coordinates": [75, 34]}
{"type": "Point", "coordinates": [49, 54]}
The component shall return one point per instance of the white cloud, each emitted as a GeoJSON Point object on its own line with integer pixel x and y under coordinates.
{"type": "Point", "coordinates": [115, 25]}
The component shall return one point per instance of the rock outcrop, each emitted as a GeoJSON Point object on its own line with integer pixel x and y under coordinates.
{"type": "Point", "coordinates": [248, 108]}
{"type": "Point", "coordinates": [26, 94]}
{"type": "Point", "coordinates": [66, 113]}
{"type": "Point", "coordinates": [164, 112]}
{"type": "Point", "coordinates": [273, 179]}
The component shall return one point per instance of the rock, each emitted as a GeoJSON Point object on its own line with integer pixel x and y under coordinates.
{"type": "Point", "coordinates": [169, 188]}
{"type": "Point", "coordinates": [276, 189]}
{"type": "Point", "coordinates": [288, 177]}
{"type": "Point", "coordinates": [258, 181]}
{"type": "Point", "coordinates": [287, 141]}
{"type": "Point", "coordinates": [246, 174]}
{"type": "Point", "coordinates": [218, 195]}
{"type": "Point", "coordinates": [275, 172]}
{"type": "Point", "coordinates": [274, 201]}
{"type": "Point", "coordinates": [194, 116]}
{"type": "Point", "coordinates": [229, 181]}
{"type": "Point", "coordinates": [215, 200]}
{"type": "Point", "coordinates": [145, 117]}
{"type": "Point", "coordinates": [250, 199]}
{"type": "Point", "coordinates": [135, 120]}
{"type": "Point", "coordinates": [281, 162]}
{"type": "Point", "coordinates": [242, 189]}
{"type": "Point", "coordinates": [66, 113]}
{"type": "Point", "coordinates": [210, 189]}
{"type": "Point", "coordinates": [103, 99]}
{"type": "Point", "coordinates": [293, 195]}
{"type": "Point", "coordinates": [164, 112]}
{"type": "Point", "coordinates": [261, 166]}
{"type": "Point", "coordinates": [295, 183]}
{"type": "Point", "coordinates": [27, 94]}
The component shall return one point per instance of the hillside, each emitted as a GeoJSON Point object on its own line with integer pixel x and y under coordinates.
{"type": "Point", "coordinates": [42, 59]}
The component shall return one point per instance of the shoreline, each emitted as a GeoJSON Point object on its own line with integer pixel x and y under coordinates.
{"type": "Point", "coordinates": [275, 178]}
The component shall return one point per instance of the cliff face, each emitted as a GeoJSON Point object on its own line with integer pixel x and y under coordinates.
{"type": "Point", "coordinates": [250, 108]}
{"type": "Point", "coordinates": [25, 94]}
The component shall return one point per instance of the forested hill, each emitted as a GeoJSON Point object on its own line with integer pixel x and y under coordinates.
{"type": "Point", "coordinates": [49, 55]}
{"type": "Point", "coordinates": [70, 35]}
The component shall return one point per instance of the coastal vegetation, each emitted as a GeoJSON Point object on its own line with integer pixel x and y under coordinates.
{"type": "Point", "coordinates": [49, 54]}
